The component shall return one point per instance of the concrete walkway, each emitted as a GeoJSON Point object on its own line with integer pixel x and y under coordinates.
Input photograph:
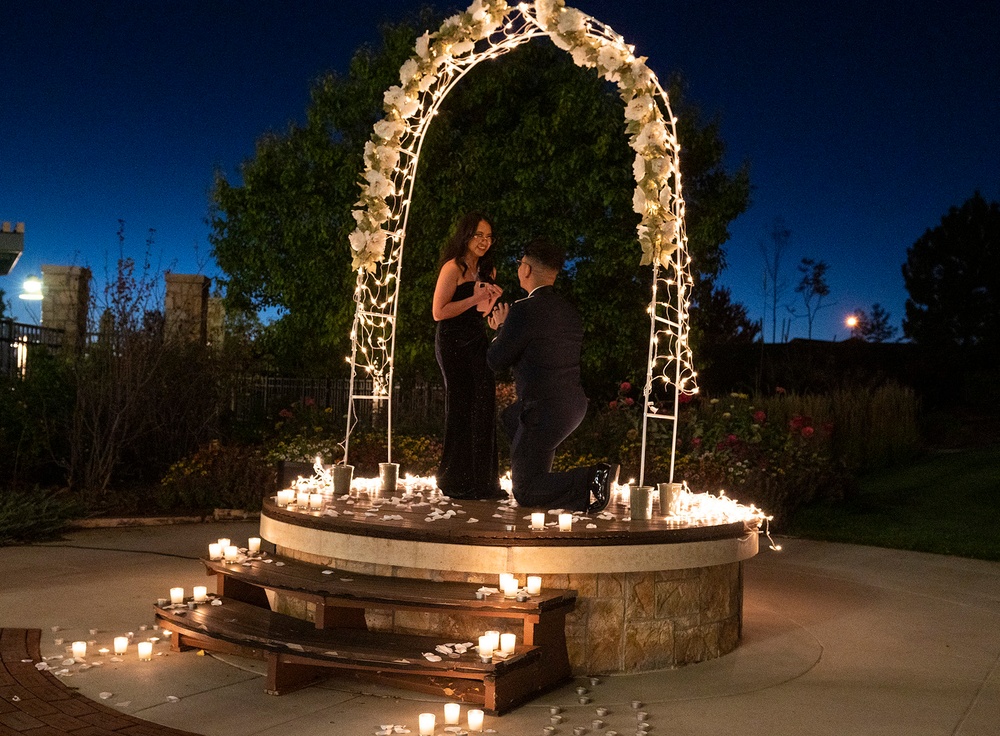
{"type": "Point", "coordinates": [838, 640]}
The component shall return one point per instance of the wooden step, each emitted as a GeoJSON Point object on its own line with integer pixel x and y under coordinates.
{"type": "Point", "coordinates": [297, 654]}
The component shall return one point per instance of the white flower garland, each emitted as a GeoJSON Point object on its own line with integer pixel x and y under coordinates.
{"type": "Point", "coordinates": [657, 193]}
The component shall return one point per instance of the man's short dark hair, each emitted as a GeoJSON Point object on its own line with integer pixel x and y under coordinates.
{"type": "Point", "coordinates": [546, 252]}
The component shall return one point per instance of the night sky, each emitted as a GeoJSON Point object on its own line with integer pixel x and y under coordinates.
{"type": "Point", "coordinates": [863, 122]}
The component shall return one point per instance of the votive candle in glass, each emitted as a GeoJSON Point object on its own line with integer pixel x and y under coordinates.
{"type": "Point", "coordinates": [507, 643]}
{"type": "Point", "coordinates": [427, 722]}
{"type": "Point", "coordinates": [176, 595]}
{"type": "Point", "coordinates": [476, 720]}
{"type": "Point", "coordinates": [504, 578]}
{"type": "Point", "coordinates": [200, 594]}
{"type": "Point", "coordinates": [121, 644]}
{"type": "Point", "coordinates": [486, 646]}
{"type": "Point", "coordinates": [534, 584]}
{"type": "Point", "coordinates": [452, 712]}
{"type": "Point", "coordinates": [302, 500]}
{"type": "Point", "coordinates": [315, 500]}
{"type": "Point", "coordinates": [224, 542]}
{"type": "Point", "coordinates": [538, 520]}
{"type": "Point", "coordinates": [214, 551]}
{"type": "Point", "coordinates": [79, 649]}
{"type": "Point", "coordinates": [510, 587]}
{"type": "Point", "coordinates": [253, 544]}
{"type": "Point", "coordinates": [286, 497]}
{"type": "Point", "coordinates": [145, 651]}
{"type": "Point", "coordinates": [232, 552]}
{"type": "Point", "coordinates": [565, 522]}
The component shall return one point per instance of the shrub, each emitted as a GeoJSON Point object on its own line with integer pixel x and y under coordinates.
{"type": "Point", "coordinates": [218, 476]}
{"type": "Point", "coordinates": [27, 516]}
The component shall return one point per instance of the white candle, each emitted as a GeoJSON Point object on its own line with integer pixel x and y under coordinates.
{"type": "Point", "coordinates": [214, 551]}
{"type": "Point", "coordinates": [494, 639]}
{"type": "Point", "coordinates": [510, 586]}
{"type": "Point", "coordinates": [427, 721]}
{"type": "Point", "coordinates": [200, 594]}
{"type": "Point", "coordinates": [232, 552]}
{"type": "Point", "coordinates": [285, 497]}
{"type": "Point", "coordinates": [534, 584]}
{"type": "Point", "coordinates": [507, 643]}
{"type": "Point", "coordinates": [79, 649]}
{"type": "Point", "coordinates": [103, 651]}
{"type": "Point", "coordinates": [565, 522]}
{"type": "Point", "coordinates": [145, 651]}
{"type": "Point", "coordinates": [538, 520]}
{"type": "Point", "coordinates": [302, 499]}
{"type": "Point", "coordinates": [223, 542]}
{"type": "Point", "coordinates": [316, 500]}
{"type": "Point", "coordinates": [452, 711]}
{"type": "Point", "coordinates": [505, 577]}
{"type": "Point", "coordinates": [486, 646]}
{"type": "Point", "coordinates": [476, 720]}
{"type": "Point", "coordinates": [254, 544]}
{"type": "Point", "coordinates": [177, 595]}
{"type": "Point", "coordinates": [121, 644]}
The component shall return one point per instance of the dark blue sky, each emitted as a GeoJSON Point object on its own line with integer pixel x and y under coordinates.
{"type": "Point", "coordinates": [863, 121]}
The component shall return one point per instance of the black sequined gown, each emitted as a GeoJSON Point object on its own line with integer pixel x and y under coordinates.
{"type": "Point", "coordinates": [468, 466]}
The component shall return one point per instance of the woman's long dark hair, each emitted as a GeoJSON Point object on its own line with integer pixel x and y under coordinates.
{"type": "Point", "coordinates": [458, 245]}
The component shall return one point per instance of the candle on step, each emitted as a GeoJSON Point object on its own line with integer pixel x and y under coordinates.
{"type": "Point", "coordinates": [565, 522]}
{"type": "Point", "coordinates": [486, 646]}
{"type": "Point", "coordinates": [200, 594]}
{"type": "Point", "coordinates": [452, 711]}
{"type": "Point", "coordinates": [510, 587]}
{"type": "Point", "coordinates": [534, 584]}
{"type": "Point", "coordinates": [232, 552]}
{"type": "Point", "coordinates": [223, 542]}
{"type": "Point", "coordinates": [214, 551]}
{"type": "Point", "coordinates": [145, 651]}
{"type": "Point", "coordinates": [427, 722]}
{"type": "Point", "coordinates": [315, 500]}
{"type": "Point", "coordinates": [504, 578]}
{"type": "Point", "coordinates": [121, 644]}
{"type": "Point", "coordinates": [176, 595]}
{"type": "Point", "coordinates": [79, 649]}
{"type": "Point", "coordinates": [476, 720]}
{"type": "Point", "coordinates": [507, 643]}
{"type": "Point", "coordinates": [302, 500]}
{"type": "Point", "coordinates": [253, 544]}
{"type": "Point", "coordinates": [538, 520]}
{"type": "Point", "coordinates": [286, 497]}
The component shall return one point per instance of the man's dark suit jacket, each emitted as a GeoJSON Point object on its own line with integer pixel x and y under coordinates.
{"type": "Point", "coordinates": [541, 338]}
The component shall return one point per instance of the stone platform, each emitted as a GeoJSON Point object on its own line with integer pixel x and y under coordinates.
{"type": "Point", "coordinates": [652, 594]}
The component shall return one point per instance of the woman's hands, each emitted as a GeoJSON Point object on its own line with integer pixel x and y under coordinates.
{"type": "Point", "coordinates": [486, 295]}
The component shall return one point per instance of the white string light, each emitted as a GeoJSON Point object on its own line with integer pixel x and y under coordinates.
{"type": "Point", "coordinates": [486, 30]}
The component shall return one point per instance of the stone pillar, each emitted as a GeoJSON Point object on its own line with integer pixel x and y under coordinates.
{"type": "Point", "coordinates": [186, 308]}
{"type": "Point", "coordinates": [66, 302]}
{"type": "Point", "coordinates": [216, 322]}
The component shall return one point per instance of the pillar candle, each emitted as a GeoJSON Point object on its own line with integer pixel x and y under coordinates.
{"type": "Point", "coordinates": [507, 643]}
{"type": "Point", "coordinates": [486, 646]}
{"type": "Point", "coordinates": [534, 584]}
{"type": "Point", "coordinates": [231, 552]}
{"type": "Point", "coordinates": [285, 497]}
{"type": "Point", "coordinates": [504, 578]}
{"type": "Point", "coordinates": [79, 649]}
{"type": "Point", "coordinates": [121, 644]}
{"type": "Point", "coordinates": [510, 586]}
{"type": "Point", "coordinates": [538, 520]}
{"type": "Point", "coordinates": [223, 542]}
{"type": "Point", "coordinates": [200, 593]}
{"type": "Point", "coordinates": [427, 722]}
{"type": "Point", "coordinates": [254, 544]}
{"type": "Point", "coordinates": [177, 595]}
{"type": "Point", "coordinates": [145, 651]}
{"type": "Point", "coordinates": [315, 500]}
{"type": "Point", "coordinates": [476, 720]}
{"type": "Point", "coordinates": [565, 522]}
{"type": "Point", "coordinates": [452, 711]}
{"type": "Point", "coordinates": [214, 551]}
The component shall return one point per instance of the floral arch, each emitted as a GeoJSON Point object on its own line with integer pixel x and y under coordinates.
{"type": "Point", "coordinates": [486, 30]}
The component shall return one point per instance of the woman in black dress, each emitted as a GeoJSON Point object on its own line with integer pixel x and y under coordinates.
{"type": "Point", "coordinates": [464, 295]}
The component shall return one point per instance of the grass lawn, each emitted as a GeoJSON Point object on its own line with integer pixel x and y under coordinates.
{"type": "Point", "coordinates": [948, 503]}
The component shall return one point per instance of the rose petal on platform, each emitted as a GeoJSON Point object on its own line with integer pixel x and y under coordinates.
{"type": "Point", "coordinates": [173, 699]}
{"type": "Point", "coordinates": [105, 695]}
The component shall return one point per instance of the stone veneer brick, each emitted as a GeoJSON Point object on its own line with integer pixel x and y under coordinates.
{"type": "Point", "coordinates": [623, 622]}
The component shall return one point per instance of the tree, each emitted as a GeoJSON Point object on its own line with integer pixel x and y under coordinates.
{"type": "Point", "coordinates": [813, 288]}
{"type": "Point", "coordinates": [530, 138]}
{"type": "Point", "coordinates": [952, 273]}
{"type": "Point", "coordinates": [772, 250]}
{"type": "Point", "coordinates": [4, 306]}
{"type": "Point", "coordinates": [874, 326]}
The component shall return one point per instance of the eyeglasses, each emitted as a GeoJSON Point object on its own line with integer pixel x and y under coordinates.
{"type": "Point", "coordinates": [483, 236]}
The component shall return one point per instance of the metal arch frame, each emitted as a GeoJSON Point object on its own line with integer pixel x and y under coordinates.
{"type": "Point", "coordinates": [377, 290]}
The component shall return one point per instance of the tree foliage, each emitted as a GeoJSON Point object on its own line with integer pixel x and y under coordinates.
{"type": "Point", "coordinates": [531, 139]}
{"type": "Point", "coordinates": [813, 288]}
{"type": "Point", "coordinates": [875, 324]}
{"type": "Point", "coordinates": [952, 273]}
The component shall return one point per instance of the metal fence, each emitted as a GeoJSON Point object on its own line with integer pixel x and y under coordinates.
{"type": "Point", "coordinates": [418, 405]}
{"type": "Point", "coordinates": [18, 342]}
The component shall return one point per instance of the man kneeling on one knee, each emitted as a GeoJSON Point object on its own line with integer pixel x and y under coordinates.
{"type": "Point", "coordinates": [540, 337]}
